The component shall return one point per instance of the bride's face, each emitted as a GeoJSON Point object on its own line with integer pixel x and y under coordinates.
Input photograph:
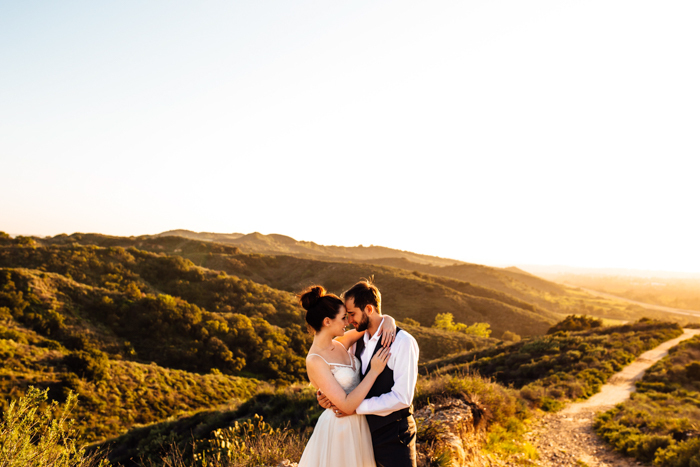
{"type": "Point", "coordinates": [340, 322]}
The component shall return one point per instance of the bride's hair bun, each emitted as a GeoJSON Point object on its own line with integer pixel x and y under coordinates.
{"type": "Point", "coordinates": [319, 305]}
{"type": "Point", "coordinates": [309, 298]}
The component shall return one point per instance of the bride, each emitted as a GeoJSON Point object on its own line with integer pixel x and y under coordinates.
{"type": "Point", "coordinates": [339, 441]}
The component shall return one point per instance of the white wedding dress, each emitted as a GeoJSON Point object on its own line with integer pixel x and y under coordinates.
{"type": "Point", "coordinates": [340, 441]}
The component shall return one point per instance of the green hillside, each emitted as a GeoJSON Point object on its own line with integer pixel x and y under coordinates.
{"type": "Point", "coordinates": [509, 285]}
{"type": "Point", "coordinates": [115, 394]}
{"type": "Point", "coordinates": [406, 294]}
{"type": "Point", "coordinates": [141, 305]}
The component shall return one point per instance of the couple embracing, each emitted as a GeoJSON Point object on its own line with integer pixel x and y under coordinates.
{"type": "Point", "coordinates": [365, 379]}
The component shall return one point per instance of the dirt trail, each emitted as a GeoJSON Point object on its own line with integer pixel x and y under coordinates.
{"type": "Point", "coordinates": [567, 438]}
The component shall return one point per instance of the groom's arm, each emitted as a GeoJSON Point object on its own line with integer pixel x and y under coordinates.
{"type": "Point", "coordinates": [404, 353]}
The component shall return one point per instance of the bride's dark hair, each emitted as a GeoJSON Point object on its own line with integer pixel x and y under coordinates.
{"type": "Point", "coordinates": [319, 305]}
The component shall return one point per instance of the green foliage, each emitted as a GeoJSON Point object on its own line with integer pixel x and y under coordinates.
{"type": "Point", "coordinates": [576, 323]}
{"type": "Point", "coordinates": [293, 408]}
{"type": "Point", "coordinates": [247, 328]}
{"type": "Point", "coordinates": [411, 322]}
{"type": "Point", "coordinates": [660, 421]}
{"type": "Point", "coordinates": [91, 364]}
{"type": "Point", "coordinates": [683, 454]}
{"type": "Point", "coordinates": [435, 343]}
{"type": "Point", "coordinates": [34, 434]}
{"type": "Point", "coordinates": [561, 366]}
{"type": "Point", "coordinates": [446, 322]}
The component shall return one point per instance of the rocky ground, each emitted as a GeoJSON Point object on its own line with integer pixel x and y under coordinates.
{"type": "Point", "coordinates": [569, 440]}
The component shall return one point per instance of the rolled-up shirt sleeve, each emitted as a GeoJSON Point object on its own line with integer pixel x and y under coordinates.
{"type": "Point", "coordinates": [404, 363]}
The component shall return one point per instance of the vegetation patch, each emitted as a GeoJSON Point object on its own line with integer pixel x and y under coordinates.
{"type": "Point", "coordinates": [562, 366]}
{"type": "Point", "coordinates": [660, 423]}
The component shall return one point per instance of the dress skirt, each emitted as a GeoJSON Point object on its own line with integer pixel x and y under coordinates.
{"type": "Point", "coordinates": [339, 442]}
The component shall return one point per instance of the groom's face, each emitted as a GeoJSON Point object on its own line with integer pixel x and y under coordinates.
{"type": "Point", "coordinates": [356, 317]}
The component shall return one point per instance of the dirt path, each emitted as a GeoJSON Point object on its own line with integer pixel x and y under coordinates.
{"type": "Point", "coordinates": [567, 438]}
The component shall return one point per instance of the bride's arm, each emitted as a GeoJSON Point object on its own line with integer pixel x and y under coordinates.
{"type": "Point", "coordinates": [320, 374]}
{"type": "Point", "coordinates": [388, 333]}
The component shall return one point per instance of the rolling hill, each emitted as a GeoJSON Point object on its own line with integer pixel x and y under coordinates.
{"type": "Point", "coordinates": [514, 284]}
{"type": "Point", "coordinates": [406, 294]}
{"type": "Point", "coordinates": [275, 244]}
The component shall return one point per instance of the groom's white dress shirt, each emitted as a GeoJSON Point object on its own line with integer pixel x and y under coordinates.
{"type": "Point", "coordinates": [404, 363]}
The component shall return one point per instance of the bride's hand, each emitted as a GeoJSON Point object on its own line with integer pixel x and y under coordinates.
{"type": "Point", "coordinates": [339, 413]}
{"type": "Point", "coordinates": [379, 360]}
{"type": "Point", "coordinates": [388, 331]}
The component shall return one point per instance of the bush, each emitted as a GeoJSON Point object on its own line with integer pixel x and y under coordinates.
{"type": "Point", "coordinates": [92, 365]}
{"type": "Point", "coordinates": [410, 322]}
{"type": "Point", "coordinates": [252, 442]}
{"type": "Point", "coordinates": [685, 454]}
{"type": "Point", "coordinates": [576, 323]}
{"type": "Point", "coordinates": [510, 336]}
{"type": "Point", "coordinates": [32, 436]}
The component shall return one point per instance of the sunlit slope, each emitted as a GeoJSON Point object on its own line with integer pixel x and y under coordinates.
{"type": "Point", "coordinates": [515, 284]}
{"type": "Point", "coordinates": [405, 294]}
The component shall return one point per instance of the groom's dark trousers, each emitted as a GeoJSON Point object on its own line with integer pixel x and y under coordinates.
{"type": "Point", "coordinates": [393, 436]}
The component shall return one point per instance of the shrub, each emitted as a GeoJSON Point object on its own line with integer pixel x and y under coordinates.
{"type": "Point", "coordinates": [510, 336]}
{"type": "Point", "coordinates": [576, 323]}
{"type": "Point", "coordinates": [31, 436]}
{"type": "Point", "coordinates": [684, 454]}
{"type": "Point", "coordinates": [252, 442]}
{"type": "Point", "coordinates": [92, 365]}
{"type": "Point", "coordinates": [410, 322]}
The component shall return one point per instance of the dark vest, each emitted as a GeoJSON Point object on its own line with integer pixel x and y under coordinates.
{"type": "Point", "coordinates": [383, 385]}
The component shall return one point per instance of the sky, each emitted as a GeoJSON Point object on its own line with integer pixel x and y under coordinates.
{"type": "Point", "coordinates": [508, 132]}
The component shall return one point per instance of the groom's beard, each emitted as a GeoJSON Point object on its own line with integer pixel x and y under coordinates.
{"type": "Point", "coordinates": [364, 323]}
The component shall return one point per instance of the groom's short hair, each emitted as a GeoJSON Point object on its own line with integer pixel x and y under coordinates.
{"type": "Point", "coordinates": [365, 293]}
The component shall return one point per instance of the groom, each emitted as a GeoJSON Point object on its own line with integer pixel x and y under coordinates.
{"type": "Point", "coordinates": [388, 405]}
